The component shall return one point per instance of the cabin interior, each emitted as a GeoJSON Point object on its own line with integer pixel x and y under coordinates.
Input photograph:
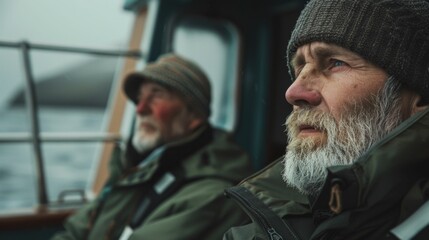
{"type": "Point", "coordinates": [242, 46]}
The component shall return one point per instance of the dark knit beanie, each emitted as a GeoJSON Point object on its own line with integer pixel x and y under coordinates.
{"type": "Point", "coordinates": [178, 74]}
{"type": "Point", "coordinates": [392, 34]}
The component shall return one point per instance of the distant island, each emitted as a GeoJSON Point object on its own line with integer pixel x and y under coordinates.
{"type": "Point", "coordinates": [85, 85]}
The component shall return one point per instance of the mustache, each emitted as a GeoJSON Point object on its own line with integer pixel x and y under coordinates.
{"type": "Point", "coordinates": [310, 118]}
{"type": "Point", "coordinates": [146, 120]}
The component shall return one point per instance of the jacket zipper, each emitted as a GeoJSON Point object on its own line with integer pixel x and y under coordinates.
{"type": "Point", "coordinates": [257, 216]}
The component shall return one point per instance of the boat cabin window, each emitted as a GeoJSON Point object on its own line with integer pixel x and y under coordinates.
{"type": "Point", "coordinates": [213, 44]}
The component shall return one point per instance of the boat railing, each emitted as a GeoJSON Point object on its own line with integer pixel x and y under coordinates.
{"type": "Point", "coordinates": [36, 137]}
{"type": "Point", "coordinates": [21, 137]}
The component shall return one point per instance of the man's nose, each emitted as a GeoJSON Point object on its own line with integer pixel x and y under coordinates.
{"type": "Point", "coordinates": [304, 91]}
{"type": "Point", "coordinates": [143, 106]}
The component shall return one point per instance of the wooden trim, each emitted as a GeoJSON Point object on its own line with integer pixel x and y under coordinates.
{"type": "Point", "coordinates": [120, 100]}
{"type": "Point", "coordinates": [33, 219]}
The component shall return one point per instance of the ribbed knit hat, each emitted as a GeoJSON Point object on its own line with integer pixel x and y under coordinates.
{"type": "Point", "coordinates": [178, 74]}
{"type": "Point", "coordinates": [392, 34]}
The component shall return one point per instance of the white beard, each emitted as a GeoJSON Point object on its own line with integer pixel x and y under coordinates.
{"type": "Point", "coordinates": [144, 140]}
{"type": "Point", "coordinates": [358, 129]}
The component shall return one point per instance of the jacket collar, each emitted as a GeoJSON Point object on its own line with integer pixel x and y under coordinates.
{"type": "Point", "coordinates": [177, 150]}
{"type": "Point", "coordinates": [142, 167]}
{"type": "Point", "coordinates": [386, 171]}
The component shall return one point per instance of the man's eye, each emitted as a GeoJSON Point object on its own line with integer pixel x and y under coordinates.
{"type": "Point", "coordinates": [336, 63]}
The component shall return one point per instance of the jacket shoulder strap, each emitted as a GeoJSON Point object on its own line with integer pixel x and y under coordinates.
{"type": "Point", "coordinates": [416, 226]}
{"type": "Point", "coordinates": [269, 221]}
{"type": "Point", "coordinates": [163, 188]}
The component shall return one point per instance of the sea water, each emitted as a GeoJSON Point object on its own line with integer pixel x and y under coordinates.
{"type": "Point", "coordinates": [67, 165]}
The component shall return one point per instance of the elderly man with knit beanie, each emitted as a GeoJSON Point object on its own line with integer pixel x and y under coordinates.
{"type": "Point", "coordinates": [357, 161]}
{"type": "Point", "coordinates": [169, 183]}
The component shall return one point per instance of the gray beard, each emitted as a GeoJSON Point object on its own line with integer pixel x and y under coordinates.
{"type": "Point", "coordinates": [361, 125]}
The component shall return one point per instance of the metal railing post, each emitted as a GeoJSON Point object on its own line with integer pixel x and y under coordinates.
{"type": "Point", "coordinates": [31, 98]}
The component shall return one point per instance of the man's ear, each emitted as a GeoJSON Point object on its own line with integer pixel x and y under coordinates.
{"type": "Point", "coordinates": [195, 123]}
{"type": "Point", "coordinates": [418, 105]}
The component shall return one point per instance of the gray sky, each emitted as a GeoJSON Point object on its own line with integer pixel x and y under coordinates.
{"type": "Point", "coordinates": [96, 24]}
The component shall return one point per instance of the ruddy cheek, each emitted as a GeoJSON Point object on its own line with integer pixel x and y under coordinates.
{"type": "Point", "coordinates": [164, 112]}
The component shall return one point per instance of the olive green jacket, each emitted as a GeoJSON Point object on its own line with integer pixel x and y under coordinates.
{"type": "Point", "coordinates": [366, 200]}
{"type": "Point", "coordinates": [209, 162]}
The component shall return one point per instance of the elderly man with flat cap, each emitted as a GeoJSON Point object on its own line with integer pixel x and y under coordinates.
{"type": "Point", "coordinates": [357, 161]}
{"type": "Point", "coordinates": [169, 182]}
